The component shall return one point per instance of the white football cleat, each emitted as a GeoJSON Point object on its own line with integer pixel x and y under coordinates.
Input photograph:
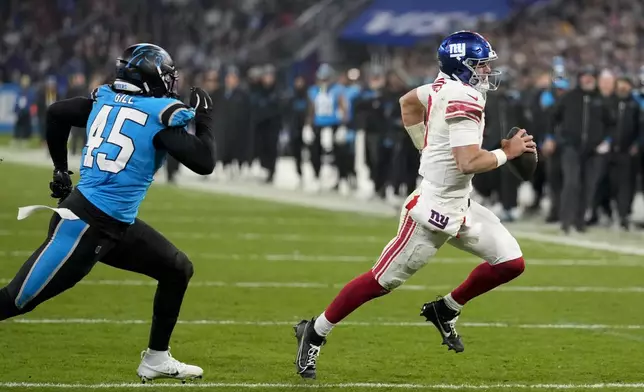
{"type": "Point", "coordinates": [167, 367]}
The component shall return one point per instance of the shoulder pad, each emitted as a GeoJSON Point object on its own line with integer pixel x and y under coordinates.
{"type": "Point", "coordinates": [176, 114]}
{"type": "Point", "coordinates": [100, 91]}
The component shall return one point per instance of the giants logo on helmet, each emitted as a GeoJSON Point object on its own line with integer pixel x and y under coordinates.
{"type": "Point", "coordinates": [457, 50]}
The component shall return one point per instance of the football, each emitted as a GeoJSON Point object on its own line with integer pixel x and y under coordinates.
{"type": "Point", "coordinates": [524, 165]}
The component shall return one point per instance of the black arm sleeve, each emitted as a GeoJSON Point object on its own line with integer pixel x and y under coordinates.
{"type": "Point", "coordinates": [61, 116]}
{"type": "Point", "coordinates": [196, 152]}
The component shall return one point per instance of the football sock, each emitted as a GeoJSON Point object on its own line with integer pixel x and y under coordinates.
{"type": "Point", "coordinates": [360, 290]}
{"type": "Point", "coordinates": [451, 303]}
{"type": "Point", "coordinates": [484, 278]}
{"type": "Point", "coordinates": [322, 326]}
{"type": "Point", "coordinates": [154, 357]}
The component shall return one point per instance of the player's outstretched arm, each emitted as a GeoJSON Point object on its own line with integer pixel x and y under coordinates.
{"type": "Point", "coordinates": [196, 152]}
{"type": "Point", "coordinates": [471, 159]}
{"type": "Point", "coordinates": [61, 117]}
{"type": "Point", "coordinates": [412, 110]}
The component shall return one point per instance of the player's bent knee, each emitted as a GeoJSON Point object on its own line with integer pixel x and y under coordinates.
{"type": "Point", "coordinates": [404, 266]}
{"type": "Point", "coordinates": [186, 268]}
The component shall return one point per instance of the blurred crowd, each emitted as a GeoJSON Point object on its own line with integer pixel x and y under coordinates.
{"type": "Point", "coordinates": [573, 77]}
{"type": "Point", "coordinates": [605, 33]}
{"type": "Point", "coordinates": [63, 37]}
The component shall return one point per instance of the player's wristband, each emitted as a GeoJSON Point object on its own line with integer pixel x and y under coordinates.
{"type": "Point", "coordinates": [417, 134]}
{"type": "Point", "coordinates": [501, 158]}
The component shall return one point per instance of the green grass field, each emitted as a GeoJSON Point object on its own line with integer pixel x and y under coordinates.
{"type": "Point", "coordinates": [261, 267]}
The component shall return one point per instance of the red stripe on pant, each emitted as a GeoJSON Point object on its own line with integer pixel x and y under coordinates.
{"type": "Point", "coordinates": [393, 243]}
{"type": "Point", "coordinates": [402, 239]}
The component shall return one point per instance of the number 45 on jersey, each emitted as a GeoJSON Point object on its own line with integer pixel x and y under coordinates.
{"type": "Point", "coordinates": [96, 141]}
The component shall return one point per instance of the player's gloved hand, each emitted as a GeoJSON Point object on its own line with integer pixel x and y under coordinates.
{"type": "Point", "coordinates": [61, 185]}
{"type": "Point", "coordinates": [200, 101]}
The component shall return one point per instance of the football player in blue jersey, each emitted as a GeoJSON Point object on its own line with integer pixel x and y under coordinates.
{"type": "Point", "coordinates": [132, 124]}
{"type": "Point", "coordinates": [326, 109]}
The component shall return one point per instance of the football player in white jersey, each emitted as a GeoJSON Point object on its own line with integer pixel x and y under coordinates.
{"type": "Point", "coordinates": [440, 210]}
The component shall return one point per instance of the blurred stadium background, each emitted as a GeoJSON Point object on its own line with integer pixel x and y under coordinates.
{"type": "Point", "coordinates": [56, 49]}
{"type": "Point", "coordinates": [569, 320]}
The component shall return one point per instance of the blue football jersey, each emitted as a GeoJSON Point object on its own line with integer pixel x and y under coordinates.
{"type": "Point", "coordinates": [350, 94]}
{"type": "Point", "coordinates": [119, 161]}
{"type": "Point", "coordinates": [326, 103]}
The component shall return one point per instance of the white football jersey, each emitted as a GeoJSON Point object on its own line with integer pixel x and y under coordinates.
{"type": "Point", "coordinates": [447, 101]}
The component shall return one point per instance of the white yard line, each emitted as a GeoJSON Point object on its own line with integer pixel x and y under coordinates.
{"type": "Point", "coordinates": [193, 235]}
{"type": "Point", "coordinates": [246, 220]}
{"type": "Point", "coordinates": [327, 202]}
{"type": "Point", "coordinates": [299, 386]}
{"type": "Point", "coordinates": [620, 261]}
{"type": "Point", "coordinates": [580, 242]}
{"type": "Point", "coordinates": [260, 323]}
{"type": "Point", "coordinates": [315, 285]}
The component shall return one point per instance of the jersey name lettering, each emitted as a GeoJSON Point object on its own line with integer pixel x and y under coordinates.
{"type": "Point", "coordinates": [122, 98]}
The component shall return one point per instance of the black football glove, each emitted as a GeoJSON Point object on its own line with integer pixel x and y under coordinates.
{"type": "Point", "coordinates": [61, 185]}
{"type": "Point", "coordinates": [200, 101]}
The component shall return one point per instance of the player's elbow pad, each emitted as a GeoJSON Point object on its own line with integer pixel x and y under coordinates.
{"type": "Point", "coordinates": [417, 135]}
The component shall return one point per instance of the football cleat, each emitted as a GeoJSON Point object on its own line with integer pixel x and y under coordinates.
{"type": "Point", "coordinates": [444, 320]}
{"type": "Point", "coordinates": [170, 368]}
{"type": "Point", "coordinates": [309, 344]}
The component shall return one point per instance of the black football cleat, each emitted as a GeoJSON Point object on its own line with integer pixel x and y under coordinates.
{"type": "Point", "coordinates": [444, 319]}
{"type": "Point", "coordinates": [309, 344]}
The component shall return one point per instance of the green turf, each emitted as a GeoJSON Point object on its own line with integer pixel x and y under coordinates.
{"type": "Point", "coordinates": [6, 138]}
{"type": "Point", "coordinates": [214, 231]}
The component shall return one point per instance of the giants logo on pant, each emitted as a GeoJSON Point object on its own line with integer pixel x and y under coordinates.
{"type": "Point", "coordinates": [439, 220]}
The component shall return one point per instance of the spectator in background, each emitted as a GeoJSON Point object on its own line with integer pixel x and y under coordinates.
{"type": "Point", "coordinates": [47, 94]}
{"type": "Point", "coordinates": [537, 101]}
{"type": "Point", "coordinates": [344, 146]}
{"type": "Point", "coordinates": [254, 76]}
{"type": "Point", "coordinates": [624, 149]}
{"type": "Point", "coordinates": [606, 89]}
{"type": "Point", "coordinates": [551, 154]}
{"type": "Point", "coordinates": [22, 109]}
{"type": "Point", "coordinates": [77, 88]}
{"type": "Point", "coordinates": [268, 117]}
{"type": "Point", "coordinates": [211, 85]}
{"type": "Point", "coordinates": [232, 124]}
{"type": "Point", "coordinates": [584, 141]}
{"type": "Point", "coordinates": [372, 105]}
{"type": "Point", "coordinates": [296, 111]}
{"type": "Point", "coordinates": [406, 156]}
{"type": "Point", "coordinates": [325, 103]}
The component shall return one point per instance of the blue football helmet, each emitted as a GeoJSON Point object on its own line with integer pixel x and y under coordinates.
{"type": "Point", "coordinates": [461, 56]}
